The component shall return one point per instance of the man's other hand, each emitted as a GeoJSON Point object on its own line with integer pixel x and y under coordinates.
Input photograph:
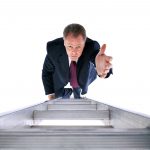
{"type": "Point", "coordinates": [51, 96]}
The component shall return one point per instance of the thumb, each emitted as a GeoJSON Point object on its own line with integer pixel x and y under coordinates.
{"type": "Point", "coordinates": [102, 49]}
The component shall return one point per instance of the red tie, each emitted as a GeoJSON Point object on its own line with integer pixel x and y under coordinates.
{"type": "Point", "coordinates": [73, 74]}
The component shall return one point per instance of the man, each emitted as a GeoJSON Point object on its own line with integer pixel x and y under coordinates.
{"type": "Point", "coordinates": [75, 59]}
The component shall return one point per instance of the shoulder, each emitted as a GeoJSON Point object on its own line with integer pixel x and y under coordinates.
{"type": "Point", "coordinates": [92, 44]}
{"type": "Point", "coordinates": [91, 47]}
{"type": "Point", "coordinates": [55, 44]}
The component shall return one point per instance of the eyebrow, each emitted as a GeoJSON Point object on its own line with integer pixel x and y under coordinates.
{"type": "Point", "coordinates": [73, 45]}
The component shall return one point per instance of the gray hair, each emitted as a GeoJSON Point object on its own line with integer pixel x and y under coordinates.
{"type": "Point", "coordinates": [75, 30]}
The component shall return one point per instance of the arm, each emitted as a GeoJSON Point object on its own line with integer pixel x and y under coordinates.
{"type": "Point", "coordinates": [47, 77]}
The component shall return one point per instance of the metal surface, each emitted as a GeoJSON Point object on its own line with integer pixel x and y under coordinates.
{"type": "Point", "coordinates": [76, 139]}
{"type": "Point", "coordinates": [71, 114]}
{"type": "Point", "coordinates": [122, 130]}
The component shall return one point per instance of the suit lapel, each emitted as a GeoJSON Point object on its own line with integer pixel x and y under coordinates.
{"type": "Point", "coordinates": [82, 70]}
{"type": "Point", "coordinates": [63, 66]}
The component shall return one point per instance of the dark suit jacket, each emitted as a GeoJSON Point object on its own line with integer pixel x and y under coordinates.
{"type": "Point", "coordinates": [55, 73]}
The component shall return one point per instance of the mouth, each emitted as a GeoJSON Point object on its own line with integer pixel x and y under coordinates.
{"type": "Point", "coordinates": [74, 58]}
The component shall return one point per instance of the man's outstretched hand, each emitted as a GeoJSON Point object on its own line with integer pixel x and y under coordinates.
{"type": "Point", "coordinates": [103, 62]}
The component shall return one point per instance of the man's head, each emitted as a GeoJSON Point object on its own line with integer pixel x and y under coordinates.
{"type": "Point", "coordinates": [74, 40]}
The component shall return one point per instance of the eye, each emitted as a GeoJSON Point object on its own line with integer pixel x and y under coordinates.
{"type": "Point", "coordinates": [78, 48]}
{"type": "Point", "coordinates": [70, 47]}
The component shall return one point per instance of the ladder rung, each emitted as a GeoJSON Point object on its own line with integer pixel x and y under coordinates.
{"type": "Point", "coordinates": [71, 114]}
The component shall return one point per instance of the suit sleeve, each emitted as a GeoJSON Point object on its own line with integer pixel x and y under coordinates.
{"type": "Point", "coordinates": [47, 75]}
{"type": "Point", "coordinates": [95, 51]}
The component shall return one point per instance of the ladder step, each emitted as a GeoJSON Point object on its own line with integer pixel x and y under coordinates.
{"type": "Point", "coordinates": [68, 106]}
{"type": "Point", "coordinates": [50, 123]}
{"type": "Point", "coordinates": [72, 107]}
{"type": "Point", "coordinates": [76, 130]}
{"type": "Point", "coordinates": [71, 101]}
{"type": "Point", "coordinates": [71, 115]}
{"type": "Point", "coordinates": [102, 139]}
{"type": "Point", "coordinates": [71, 128]}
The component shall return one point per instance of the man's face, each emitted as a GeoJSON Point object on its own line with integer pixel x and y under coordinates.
{"type": "Point", "coordinates": [74, 46]}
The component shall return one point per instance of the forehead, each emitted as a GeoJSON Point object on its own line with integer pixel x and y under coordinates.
{"type": "Point", "coordinates": [70, 39]}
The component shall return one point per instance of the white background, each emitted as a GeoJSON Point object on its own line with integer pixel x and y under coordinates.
{"type": "Point", "coordinates": [27, 25]}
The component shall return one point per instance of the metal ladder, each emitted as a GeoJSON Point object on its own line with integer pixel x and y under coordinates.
{"type": "Point", "coordinates": [100, 135]}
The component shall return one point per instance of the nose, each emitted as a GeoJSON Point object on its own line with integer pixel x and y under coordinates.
{"type": "Point", "coordinates": [74, 52]}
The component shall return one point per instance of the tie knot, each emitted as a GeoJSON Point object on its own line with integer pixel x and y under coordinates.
{"type": "Point", "coordinates": [73, 62]}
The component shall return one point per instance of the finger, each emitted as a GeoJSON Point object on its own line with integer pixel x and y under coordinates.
{"type": "Point", "coordinates": [108, 66]}
{"type": "Point", "coordinates": [102, 49]}
{"type": "Point", "coordinates": [109, 58]}
{"type": "Point", "coordinates": [106, 71]}
{"type": "Point", "coordinates": [103, 75]}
